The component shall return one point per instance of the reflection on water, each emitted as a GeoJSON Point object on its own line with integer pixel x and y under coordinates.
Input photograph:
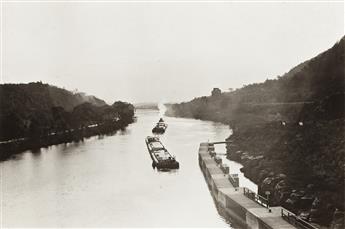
{"type": "Point", "coordinates": [109, 181]}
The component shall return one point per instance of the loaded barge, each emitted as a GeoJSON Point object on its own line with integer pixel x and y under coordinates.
{"type": "Point", "coordinates": [161, 158]}
{"type": "Point", "coordinates": [160, 127]}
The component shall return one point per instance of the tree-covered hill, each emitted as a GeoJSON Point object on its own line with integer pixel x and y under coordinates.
{"type": "Point", "coordinates": [289, 134]}
{"type": "Point", "coordinates": [37, 109]}
{"type": "Point", "coordinates": [39, 96]}
{"type": "Point", "coordinates": [283, 98]}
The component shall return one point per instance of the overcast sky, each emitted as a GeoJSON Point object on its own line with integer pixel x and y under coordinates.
{"type": "Point", "coordinates": [141, 52]}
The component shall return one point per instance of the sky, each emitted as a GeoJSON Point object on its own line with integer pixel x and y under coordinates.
{"type": "Point", "coordinates": [161, 51]}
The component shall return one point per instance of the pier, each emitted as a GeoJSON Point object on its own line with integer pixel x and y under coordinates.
{"type": "Point", "coordinates": [248, 209]}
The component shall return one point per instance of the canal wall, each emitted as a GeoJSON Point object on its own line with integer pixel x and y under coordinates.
{"type": "Point", "coordinates": [246, 212]}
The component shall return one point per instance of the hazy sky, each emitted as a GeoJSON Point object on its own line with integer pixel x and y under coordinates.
{"type": "Point", "coordinates": [162, 51]}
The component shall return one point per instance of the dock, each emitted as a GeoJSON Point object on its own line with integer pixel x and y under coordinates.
{"type": "Point", "coordinates": [238, 202]}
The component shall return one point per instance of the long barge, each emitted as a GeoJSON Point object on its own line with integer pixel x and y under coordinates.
{"type": "Point", "coordinates": [161, 158]}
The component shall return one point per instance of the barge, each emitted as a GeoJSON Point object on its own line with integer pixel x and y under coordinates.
{"type": "Point", "coordinates": [160, 127]}
{"type": "Point", "coordinates": [161, 158]}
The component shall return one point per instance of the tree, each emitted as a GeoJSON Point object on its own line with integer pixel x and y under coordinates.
{"type": "Point", "coordinates": [216, 92]}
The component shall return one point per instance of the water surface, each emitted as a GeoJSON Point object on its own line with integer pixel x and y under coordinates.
{"type": "Point", "coordinates": [108, 181]}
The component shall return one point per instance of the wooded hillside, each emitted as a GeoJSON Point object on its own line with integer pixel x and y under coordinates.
{"type": "Point", "coordinates": [289, 134]}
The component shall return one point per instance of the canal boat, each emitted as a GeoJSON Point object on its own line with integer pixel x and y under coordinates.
{"type": "Point", "coordinates": [160, 127]}
{"type": "Point", "coordinates": [161, 158]}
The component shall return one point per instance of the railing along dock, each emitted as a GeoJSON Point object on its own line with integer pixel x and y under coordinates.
{"type": "Point", "coordinates": [296, 221]}
{"type": "Point", "coordinates": [256, 197]}
{"type": "Point", "coordinates": [234, 180]}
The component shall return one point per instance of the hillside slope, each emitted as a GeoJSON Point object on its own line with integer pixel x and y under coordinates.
{"type": "Point", "coordinates": [289, 134]}
{"type": "Point", "coordinates": [36, 109]}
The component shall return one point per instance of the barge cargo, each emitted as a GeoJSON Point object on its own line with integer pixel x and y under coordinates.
{"type": "Point", "coordinates": [161, 158]}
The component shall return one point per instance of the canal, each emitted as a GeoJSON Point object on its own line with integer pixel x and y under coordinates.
{"type": "Point", "coordinates": [108, 181]}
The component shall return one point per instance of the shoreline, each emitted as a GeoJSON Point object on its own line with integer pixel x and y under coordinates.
{"type": "Point", "coordinates": [299, 194]}
{"type": "Point", "coordinates": [12, 147]}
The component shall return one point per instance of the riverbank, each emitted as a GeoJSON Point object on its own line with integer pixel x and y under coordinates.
{"type": "Point", "coordinates": [9, 149]}
{"type": "Point", "coordinates": [37, 115]}
{"type": "Point", "coordinates": [283, 159]}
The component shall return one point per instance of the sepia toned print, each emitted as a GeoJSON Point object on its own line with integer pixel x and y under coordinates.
{"type": "Point", "coordinates": [172, 114]}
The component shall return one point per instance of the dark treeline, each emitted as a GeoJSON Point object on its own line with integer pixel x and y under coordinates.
{"type": "Point", "coordinates": [35, 115]}
{"type": "Point", "coordinates": [288, 133]}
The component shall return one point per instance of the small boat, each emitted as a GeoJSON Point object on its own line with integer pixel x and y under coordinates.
{"type": "Point", "coordinates": [160, 127]}
{"type": "Point", "coordinates": [160, 156]}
